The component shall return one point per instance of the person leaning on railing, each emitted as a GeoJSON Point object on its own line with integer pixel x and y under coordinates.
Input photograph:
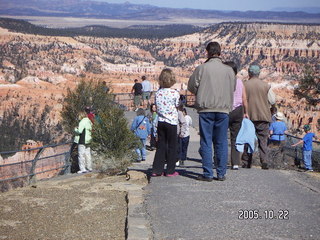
{"type": "Point", "coordinates": [278, 129]}
{"type": "Point", "coordinates": [83, 138]}
{"type": "Point", "coordinates": [307, 147]}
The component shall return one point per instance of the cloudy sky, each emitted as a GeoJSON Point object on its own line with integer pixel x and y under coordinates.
{"type": "Point", "coordinates": [241, 5]}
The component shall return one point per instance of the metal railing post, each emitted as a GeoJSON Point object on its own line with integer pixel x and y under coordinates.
{"type": "Point", "coordinates": [68, 156]}
{"type": "Point", "coordinates": [32, 176]}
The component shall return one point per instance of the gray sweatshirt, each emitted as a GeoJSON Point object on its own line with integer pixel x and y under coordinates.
{"type": "Point", "coordinates": [213, 83]}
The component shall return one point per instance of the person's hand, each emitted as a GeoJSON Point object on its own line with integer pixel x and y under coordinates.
{"type": "Point", "coordinates": [246, 115]}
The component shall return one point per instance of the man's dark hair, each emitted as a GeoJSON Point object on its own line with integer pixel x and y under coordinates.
{"type": "Point", "coordinates": [87, 110]}
{"type": "Point", "coordinates": [213, 49]}
{"type": "Point", "coordinates": [233, 65]}
{"type": "Point", "coordinates": [143, 78]}
{"type": "Point", "coordinates": [136, 80]}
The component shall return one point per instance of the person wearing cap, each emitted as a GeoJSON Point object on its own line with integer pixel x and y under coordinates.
{"type": "Point", "coordinates": [258, 97]}
{"type": "Point", "coordinates": [307, 147]}
{"type": "Point", "coordinates": [213, 84]}
{"type": "Point", "coordinates": [278, 129]}
{"type": "Point", "coordinates": [83, 139]}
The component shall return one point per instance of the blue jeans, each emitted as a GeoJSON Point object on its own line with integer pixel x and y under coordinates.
{"type": "Point", "coordinates": [307, 159]}
{"type": "Point", "coordinates": [214, 130]}
{"type": "Point", "coordinates": [183, 148]}
{"type": "Point", "coordinates": [141, 151]}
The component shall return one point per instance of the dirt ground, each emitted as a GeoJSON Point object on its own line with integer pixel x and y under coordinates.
{"type": "Point", "coordinates": [81, 207]}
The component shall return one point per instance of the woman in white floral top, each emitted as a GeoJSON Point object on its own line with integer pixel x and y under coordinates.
{"type": "Point", "coordinates": [167, 101]}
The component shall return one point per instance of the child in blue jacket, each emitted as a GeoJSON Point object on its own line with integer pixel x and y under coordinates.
{"type": "Point", "coordinates": [307, 147]}
{"type": "Point", "coordinates": [142, 129]}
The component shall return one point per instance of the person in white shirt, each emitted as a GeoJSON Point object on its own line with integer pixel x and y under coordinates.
{"type": "Point", "coordinates": [146, 92]}
{"type": "Point", "coordinates": [184, 136]}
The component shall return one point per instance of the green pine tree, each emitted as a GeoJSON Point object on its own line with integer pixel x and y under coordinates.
{"type": "Point", "coordinates": [309, 86]}
{"type": "Point", "coordinates": [112, 141]}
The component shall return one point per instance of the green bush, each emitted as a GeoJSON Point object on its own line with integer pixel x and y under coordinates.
{"type": "Point", "coordinates": [112, 141]}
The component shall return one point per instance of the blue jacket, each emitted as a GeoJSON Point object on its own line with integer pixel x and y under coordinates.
{"type": "Point", "coordinates": [247, 134]}
{"type": "Point", "coordinates": [141, 127]}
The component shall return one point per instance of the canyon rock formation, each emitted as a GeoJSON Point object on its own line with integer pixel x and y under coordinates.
{"type": "Point", "coordinates": [36, 71]}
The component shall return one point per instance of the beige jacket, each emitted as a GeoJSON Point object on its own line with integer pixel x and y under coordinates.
{"type": "Point", "coordinates": [213, 83]}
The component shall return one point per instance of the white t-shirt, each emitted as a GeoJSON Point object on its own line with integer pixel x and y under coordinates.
{"type": "Point", "coordinates": [146, 86]}
{"type": "Point", "coordinates": [188, 125]}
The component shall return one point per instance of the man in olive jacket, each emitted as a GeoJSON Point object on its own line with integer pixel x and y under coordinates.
{"type": "Point", "coordinates": [213, 83]}
{"type": "Point", "coordinates": [259, 103]}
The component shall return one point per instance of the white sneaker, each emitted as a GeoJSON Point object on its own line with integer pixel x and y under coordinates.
{"type": "Point", "coordinates": [82, 171]}
{"type": "Point", "coordinates": [178, 163]}
{"type": "Point", "coordinates": [235, 167]}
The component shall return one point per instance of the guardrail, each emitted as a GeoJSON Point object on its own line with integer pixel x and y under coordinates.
{"type": "Point", "coordinates": [23, 167]}
{"type": "Point", "coordinates": [125, 100]}
{"type": "Point", "coordinates": [297, 152]}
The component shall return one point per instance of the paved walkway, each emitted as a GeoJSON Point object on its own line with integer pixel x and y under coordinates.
{"type": "Point", "coordinates": [250, 204]}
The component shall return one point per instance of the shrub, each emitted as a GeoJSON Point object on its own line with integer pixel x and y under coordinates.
{"type": "Point", "coordinates": [309, 86]}
{"type": "Point", "coordinates": [112, 141]}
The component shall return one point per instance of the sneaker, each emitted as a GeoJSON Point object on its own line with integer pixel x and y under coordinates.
{"type": "Point", "coordinates": [205, 179]}
{"type": "Point", "coordinates": [157, 175]}
{"type": "Point", "coordinates": [181, 162]}
{"type": "Point", "coordinates": [173, 174]}
{"type": "Point", "coordinates": [143, 160]}
{"type": "Point", "coordinates": [246, 166]}
{"type": "Point", "coordinates": [264, 166]}
{"type": "Point", "coordinates": [309, 170]}
{"type": "Point", "coordinates": [82, 171]}
{"type": "Point", "coordinates": [235, 167]}
{"type": "Point", "coordinates": [178, 163]}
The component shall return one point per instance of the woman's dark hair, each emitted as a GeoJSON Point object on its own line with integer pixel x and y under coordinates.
{"type": "Point", "coordinates": [213, 49]}
{"type": "Point", "coordinates": [185, 111]}
{"type": "Point", "coordinates": [151, 106]}
{"type": "Point", "coordinates": [233, 65]}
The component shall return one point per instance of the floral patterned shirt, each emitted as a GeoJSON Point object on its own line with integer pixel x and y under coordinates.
{"type": "Point", "coordinates": [167, 101]}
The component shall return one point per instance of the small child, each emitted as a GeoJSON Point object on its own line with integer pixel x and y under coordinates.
{"type": "Point", "coordinates": [278, 129]}
{"type": "Point", "coordinates": [83, 138]}
{"type": "Point", "coordinates": [307, 147]}
{"type": "Point", "coordinates": [154, 123]}
{"type": "Point", "coordinates": [142, 129]}
{"type": "Point", "coordinates": [184, 136]}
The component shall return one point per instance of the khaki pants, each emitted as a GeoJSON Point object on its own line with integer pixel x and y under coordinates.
{"type": "Point", "coordinates": [84, 157]}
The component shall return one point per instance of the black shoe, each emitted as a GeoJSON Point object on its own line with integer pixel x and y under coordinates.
{"type": "Point", "coordinates": [181, 163]}
{"type": "Point", "coordinates": [205, 179]}
{"type": "Point", "coordinates": [143, 160]}
{"type": "Point", "coordinates": [220, 178]}
{"type": "Point", "coordinates": [264, 166]}
{"type": "Point", "coordinates": [246, 166]}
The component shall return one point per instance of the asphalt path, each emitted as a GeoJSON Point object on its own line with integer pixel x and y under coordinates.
{"type": "Point", "coordinates": [250, 204]}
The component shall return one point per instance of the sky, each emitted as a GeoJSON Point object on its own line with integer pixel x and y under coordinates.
{"type": "Point", "coordinates": [240, 5]}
